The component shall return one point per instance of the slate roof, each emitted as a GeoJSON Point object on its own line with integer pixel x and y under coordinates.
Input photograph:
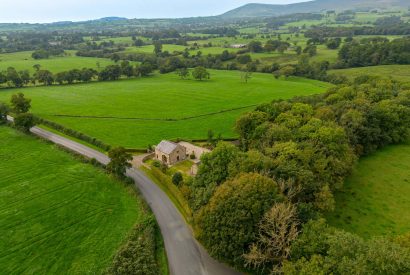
{"type": "Point", "coordinates": [167, 147]}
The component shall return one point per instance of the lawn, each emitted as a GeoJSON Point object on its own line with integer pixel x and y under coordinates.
{"type": "Point", "coordinates": [24, 61]}
{"type": "Point", "coordinates": [375, 200]}
{"type": "Point", "coordinates": [145, 111]}
{"type": "Point", "coordinates": [398, 72]}
{"type": "Point", "coordinates": [58, 215]}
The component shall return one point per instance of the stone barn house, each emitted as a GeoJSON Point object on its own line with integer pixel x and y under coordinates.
{"type": "Point", "coordinates": [169, 152]}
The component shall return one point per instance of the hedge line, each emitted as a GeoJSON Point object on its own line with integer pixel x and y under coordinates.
{"type": "Point", "coordinates": [75, 134]}
{"type": "Point", "coordinates": [138, 254]}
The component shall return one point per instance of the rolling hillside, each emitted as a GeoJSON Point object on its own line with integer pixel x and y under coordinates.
{"type": "Point", "coordinates": [265, 10]}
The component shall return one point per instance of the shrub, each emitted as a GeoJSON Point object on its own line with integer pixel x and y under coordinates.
{"type": "Point", "coordinates": [4, 111]}
{"type": "Point", "coordinates": [156, 163]}
{"type": "Point", "coordinates": [24, 121]}
{"type": "Point", "coordinates": [163, 167]}
{"type": "Point", "coordinates": [177, 178]}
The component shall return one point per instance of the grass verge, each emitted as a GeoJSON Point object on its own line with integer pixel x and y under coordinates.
{"type": "Point", "coordinates": [164, 182]}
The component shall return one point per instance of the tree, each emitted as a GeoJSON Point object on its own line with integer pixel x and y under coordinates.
{"type": "Point", "coordinates": [177, 178]}
{"type": "Point", "coordinates": [40, 54]}
{"type": "Point", "coordinates": [183, 73]}
{"type": "Point", "coordinates": [287, 71]}
{"type": "Point", "coordinates": [139, 42]}
{"type": "Point", "coordinates": [127, 69]}
{"type": "Point", "coordinates": [211, 139]}
{"type": "Point", "coordinates": [145, 69]}
{"type": "Point", "coordinates": [157, 47]}
{"type": "Point", "coordinates": [311, 50]}
{"type": "Point", "coordinates": [246, 75]}
{"type": "Point", "coordinates": [334, 43]}
{"type": "Point", "coordinates": [87, 75]}
{"type": "Point", "coordinates": [61, 77]}
{"type": "Point", "coordinates": [200, 73]}
{"type": "Point", "coordinates": [244, 59]}
{"type": "Point", "coordinates": [246, 125]}
{"type": "Point", "coordinates": [25, 77]}
{"type": "Point", "coordinates": [283, 47]}
{"type": "Point", "coordinates": [119, 161]}
{"type": "Point", "coordinates": [255, 46]}
{"type": "Point", "coordinates": [334, 251]}
{"type": "Point", "coordinates": [45, 77]}
{"type": "Point", "coordinates": [4, 111]}
{"type": "Point", "coordinates": [24, 121]}
{"type": "Point", "coordinates": [20, 104]}
{"type": "Point", "coordinates": [37, 67]}
{"type": "Point", "coordinates": [14, 77]}
{"type": "Point", "coordinates": [111, 72]}
{"type": "Point", "coordinates": [277, 231]}
{"type": "Point", "coordinates": [228, 223]}
{"type": "Point", "coordinates": [212, 172]}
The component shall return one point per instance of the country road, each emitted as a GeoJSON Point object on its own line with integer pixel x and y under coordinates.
{"type": "Point", "coordinates": [185, 255]}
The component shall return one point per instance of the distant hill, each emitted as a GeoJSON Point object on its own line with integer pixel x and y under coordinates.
{"type": "Point", "coordinates": [110, 19]}
{"type": "Point", "coordinates": [266, 10]}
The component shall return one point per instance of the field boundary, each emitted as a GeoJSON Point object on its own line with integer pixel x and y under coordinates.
{"type": "Point", "coordinates": [158, 119]}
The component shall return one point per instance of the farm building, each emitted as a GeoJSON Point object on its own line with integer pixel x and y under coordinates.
{"type": "Point", "coordinates": [239, 46]}
{"type": "Point", "coordinates": [169, 152]}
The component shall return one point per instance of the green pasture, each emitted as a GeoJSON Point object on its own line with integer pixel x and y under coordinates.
{"type": "Point", "coordinates": [58, 215]}
{"type": "Point", "coordinates": [150, 48]}
{"type": "Point", "coordinates": [24, 61]}
{"type": "Point", "coordinates": [375, 199]}
{"type": "Point", "coordinates": [139, 112]}
{"type": "Point", "coordinates": [177, 48]}
{"type": "Point", "coordinates": [398, 72]}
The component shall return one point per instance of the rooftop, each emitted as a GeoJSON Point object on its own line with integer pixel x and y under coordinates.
{"type": "Point", "coordinates": [166, 146]}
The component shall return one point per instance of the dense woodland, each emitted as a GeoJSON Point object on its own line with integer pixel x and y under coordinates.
{"type": "Point", "coordinates": [260, 205]}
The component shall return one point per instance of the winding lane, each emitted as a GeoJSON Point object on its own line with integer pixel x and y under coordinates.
{"type": "Point", "coordinates": [185, 255]}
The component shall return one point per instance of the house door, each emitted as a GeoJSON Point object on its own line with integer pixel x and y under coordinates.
{"type": "Point", "coordinates": [164, 159]}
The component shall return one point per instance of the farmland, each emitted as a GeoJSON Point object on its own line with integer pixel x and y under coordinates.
{"type": "Point", "coordinates": [375, 196]}
{"type": "Point", "coordinates": [138, 112]}
{"type": "Point", "coordinates": [24, 61]}
{"type": "Point", "coordinates": [397, 72]}
{"type": "Point", "coordinates": [58, 215]}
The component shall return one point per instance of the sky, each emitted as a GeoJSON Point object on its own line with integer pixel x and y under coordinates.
{"type": "Point", "coordinates": [42, 11]}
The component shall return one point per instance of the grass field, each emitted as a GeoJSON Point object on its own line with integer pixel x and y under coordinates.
{"type": "Point", "coordinates": [58, 216]}
{"type": "Point", "coordinates": [376, 200]}
{"type": "Point", "coordinates": [24, 61]}
{"type": "Point", "coordinates": [177, 48]}
{"type": "Point", "coordinates": [145, 111]}
{"type": "Point", "coordinates": [398, 72]}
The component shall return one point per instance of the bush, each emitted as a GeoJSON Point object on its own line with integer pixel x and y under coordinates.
{"type": "Point", "coordinates": [177, 178]}
{"type": "Point", "coordinates": [24, 121]}
{"type": "Point", "coordinates": [156, 163]}
{"type": "Point", "coordinates": [192, 156]}
{"type": "Point", "coordinates": [4, 111]}
{"type": "Point", "coordinates": [163, 167]}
